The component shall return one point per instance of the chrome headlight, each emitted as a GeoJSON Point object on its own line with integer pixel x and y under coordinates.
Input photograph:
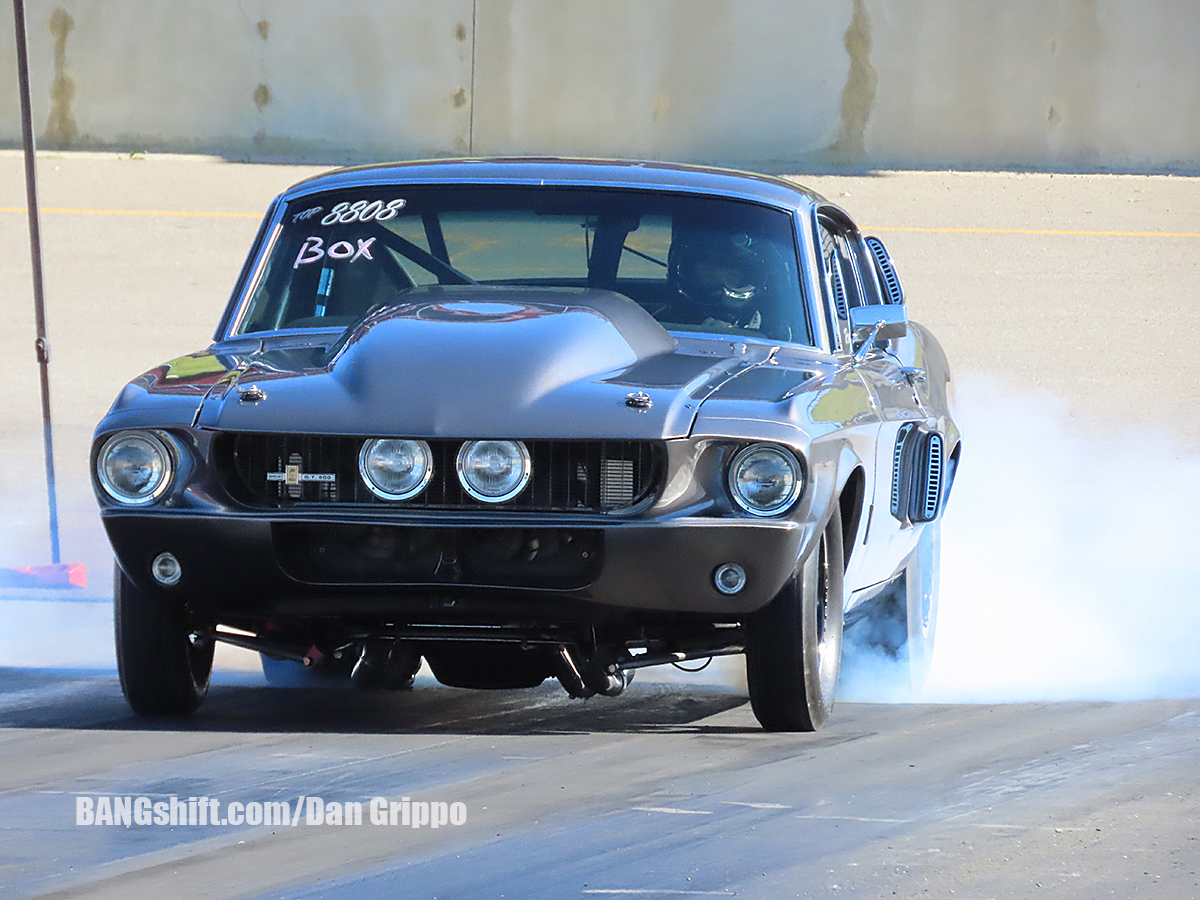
{"type": "Point", "coordinates": [765, 479]}
{"type": "Point", "coordinates": [493, 471]}
{"type": "Point", "coordinates": [134, 467]}
{"type": "Point", "coordinates": [395, 469]}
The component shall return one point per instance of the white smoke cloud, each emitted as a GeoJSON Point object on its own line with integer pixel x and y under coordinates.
{"type": "Point", "coordinates": [1070, 559]}
{"type": "Point", "coordinates": [37, 632]}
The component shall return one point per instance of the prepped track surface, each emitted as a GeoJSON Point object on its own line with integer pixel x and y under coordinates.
{"type": "Point", "coordinates": [1078, 286]}
{"type": "Point", "coordinates": [663, 792]}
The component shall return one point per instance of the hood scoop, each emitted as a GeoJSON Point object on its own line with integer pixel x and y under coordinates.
{"type": "Point", "coordinates": [496, 346]}
{"type": "Point", "coordinates": [477, 361]}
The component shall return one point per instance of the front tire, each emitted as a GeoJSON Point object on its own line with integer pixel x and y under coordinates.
{"type": "Point", "coordinates": [164, 666]}
{"type": "Point", "coordinates": [794, 644]}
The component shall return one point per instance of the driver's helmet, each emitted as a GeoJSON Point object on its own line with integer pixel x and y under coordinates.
{"type": "Point", "coordinates": [718, 269]}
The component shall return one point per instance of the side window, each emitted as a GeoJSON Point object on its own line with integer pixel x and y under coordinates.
{"type": "Point", "coordinates": [846, 280]}
{"type": "Point", "coordinates": [834, 288]}
{"type": "Point", "coordinates": [843, 281]}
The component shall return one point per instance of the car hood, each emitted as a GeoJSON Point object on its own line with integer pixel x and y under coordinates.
{"type": "Point", "coordinates": [483, 362]}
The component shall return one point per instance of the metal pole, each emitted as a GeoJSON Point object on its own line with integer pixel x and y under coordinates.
{"type": "Point", "coordinates": [42, 346]}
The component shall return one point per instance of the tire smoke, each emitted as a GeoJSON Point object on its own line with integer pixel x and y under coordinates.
{"type": "Point", "coordinates": [1069, 561]}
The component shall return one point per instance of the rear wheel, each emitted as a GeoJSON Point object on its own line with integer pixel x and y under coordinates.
{"type": "Point", "coordinates": [920, 584]}
{"type": "Point", "coordinates": [794, 644]}
{"type": "Point", "coordinates": [164, 664]}
{"type": "Point", "coordinates": [897, 627]}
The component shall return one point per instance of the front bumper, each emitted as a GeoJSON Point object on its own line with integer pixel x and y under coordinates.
{"type": "Point", "coordinates": [551, 569]}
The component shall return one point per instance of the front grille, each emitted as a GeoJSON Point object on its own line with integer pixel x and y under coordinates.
{"type": "Point", "coordinates": [279, 471]}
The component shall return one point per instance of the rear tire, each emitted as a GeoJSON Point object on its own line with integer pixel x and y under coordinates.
{"type": "Point", "coordinates": [921, 583]}
{"type": "Point", "coordinates": [164, 667]}
{"type": "Point", "coordinates": [794, 644]}
{"type": "Point", "coordinates": [892, 635]}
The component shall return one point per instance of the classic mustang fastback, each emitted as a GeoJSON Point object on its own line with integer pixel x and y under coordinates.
{"type": "Point", "coordinates": [537, 418]}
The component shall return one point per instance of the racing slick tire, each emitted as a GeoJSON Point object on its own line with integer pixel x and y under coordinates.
{"type": "Point", "coordinates": [163, 664]}
{"type": "Point", "coordinates": [920, 584]}
{"type": "Point", "coordinates": [896, 628]}
{"type": "Point", "coordinates": [794, 644]}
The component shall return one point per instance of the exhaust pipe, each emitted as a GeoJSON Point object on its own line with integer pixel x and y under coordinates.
{"type": "Point", "coordinates": [385, 665]}
{"type": "Point", "coordinates": [582, 676]}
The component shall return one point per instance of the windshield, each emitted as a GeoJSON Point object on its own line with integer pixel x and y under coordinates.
{"type": "Point", "coordinates": [694, 263]}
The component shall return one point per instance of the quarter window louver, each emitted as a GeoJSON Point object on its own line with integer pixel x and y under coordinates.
{"type": "Point", "coordinates": [887, 272]}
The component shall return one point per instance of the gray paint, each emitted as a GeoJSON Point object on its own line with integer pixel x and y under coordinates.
{"type": "Point", "coordinates": [472, 362]}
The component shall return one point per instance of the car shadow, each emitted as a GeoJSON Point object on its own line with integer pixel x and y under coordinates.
{"type": "Point", "coordinates": [88, 699]}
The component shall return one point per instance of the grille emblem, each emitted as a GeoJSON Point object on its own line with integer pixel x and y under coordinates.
{"type": "Point", "coordinates": [293, 476]}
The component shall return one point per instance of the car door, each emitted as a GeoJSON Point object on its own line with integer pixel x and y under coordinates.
{"type": "Point", "coordinates": [892, 373]}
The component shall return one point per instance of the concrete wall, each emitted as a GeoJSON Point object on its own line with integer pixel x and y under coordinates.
{"type": "Point", "coordinates": [1053, 84]}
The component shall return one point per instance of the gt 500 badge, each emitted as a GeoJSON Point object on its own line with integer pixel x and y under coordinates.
{"type": "Point", "coordinates": [293, 475]}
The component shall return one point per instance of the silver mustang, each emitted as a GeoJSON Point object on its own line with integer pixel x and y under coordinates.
{"type": "Point", "coordinates": [537, 418]}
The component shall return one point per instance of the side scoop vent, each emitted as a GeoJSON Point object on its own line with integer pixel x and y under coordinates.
{"type": "Point", "coordinates": [933, 478]}
{"type": "Point", "coordinates": [898, 469]}
{"type": "Point", "coordinates": [918, 474]}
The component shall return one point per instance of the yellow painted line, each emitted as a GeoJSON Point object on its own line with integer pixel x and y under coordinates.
{"type": "Point", "coordinates": [135, 212]}
{"type": "Point", "coordinates": [1037, 231]}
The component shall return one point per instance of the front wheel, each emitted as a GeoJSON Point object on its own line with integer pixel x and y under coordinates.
{"type": "Point", "coordinates": [794, 644]}
{"type": "Point", "coordinates": [163, 662]}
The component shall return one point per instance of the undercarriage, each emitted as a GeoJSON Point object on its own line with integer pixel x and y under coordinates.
{"type": "Point", "coordinates": [586, 660]}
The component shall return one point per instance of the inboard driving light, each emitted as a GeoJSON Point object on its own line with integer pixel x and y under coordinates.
{"type": "Point", "coordinates": [493, 471]}
{"type": "Point", "coordinates": [134, 467]}
{"type": "Point", "coordinates": [395, 469]}
{"type": "Point", "coordinates": [765, 479]}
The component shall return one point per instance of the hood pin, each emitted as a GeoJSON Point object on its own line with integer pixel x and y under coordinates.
{"type": "Point", "coordinates": [639, 400]}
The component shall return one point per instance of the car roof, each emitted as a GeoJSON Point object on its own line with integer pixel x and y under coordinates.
{"type": "Point", "coordinates": [567, 172]}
